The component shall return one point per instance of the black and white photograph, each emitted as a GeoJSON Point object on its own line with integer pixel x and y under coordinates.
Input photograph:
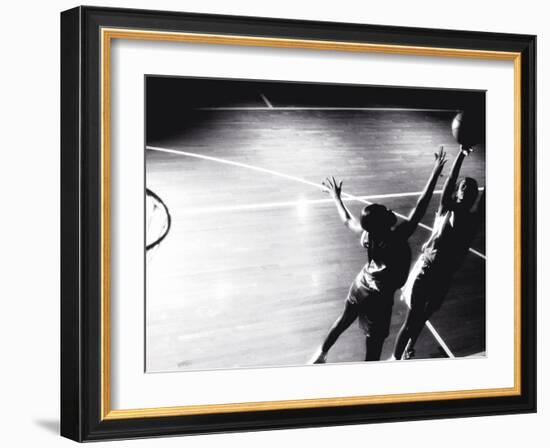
{"type": "Point", "coordinates": [294, 223]}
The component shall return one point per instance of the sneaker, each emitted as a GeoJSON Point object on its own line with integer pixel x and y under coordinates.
{"type": "Point", "coordinates": [319, 357]}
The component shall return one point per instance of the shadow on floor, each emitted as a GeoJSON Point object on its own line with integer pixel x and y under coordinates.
{"type": "Point", "coordinates": [51, 426]}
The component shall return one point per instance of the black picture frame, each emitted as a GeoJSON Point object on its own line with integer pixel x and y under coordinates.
{"type": "Point", "coordinates": [82, 408]}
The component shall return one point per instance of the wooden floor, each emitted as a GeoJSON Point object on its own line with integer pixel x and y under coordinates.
{"type": "Point", "coordinates": [256, 266]}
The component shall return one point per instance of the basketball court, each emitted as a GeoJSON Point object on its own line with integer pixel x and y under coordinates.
{"type": "Point", "coordinates": [257, 263]}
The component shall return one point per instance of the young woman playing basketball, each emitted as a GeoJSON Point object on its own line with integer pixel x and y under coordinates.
{"type": "Point", "coordinates": [456, 221]}
{"type": "Point", "coordinates": [370, 297]}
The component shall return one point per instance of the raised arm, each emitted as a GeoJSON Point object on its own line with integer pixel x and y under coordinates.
{"type": "Point", "coordinates": [334, 189]}
{"type": "Point", "coordinates": [419, 210]}
{"type": "Point", "coordinates": [450, 183]}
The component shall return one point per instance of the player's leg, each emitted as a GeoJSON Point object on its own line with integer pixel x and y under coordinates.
{"type": "Point", "coordinates": [436, 299]}
{"type": "Point", "coordinates": [374, 344]}
{"type": "Point", "coordinates": [423, 309]}
{"type": "Point", "coordinates": [439, 289]}
{"type": "Point", "coordinates": [376, 324]}
{"type": "Point", "coordinates": [420, 294]}
{"type": "Point", "coordinates": [410, 330]}
{"type": "Point", "coordinates": [341, 324]}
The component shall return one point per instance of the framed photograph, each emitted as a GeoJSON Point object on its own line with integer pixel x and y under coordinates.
{"type": "Point", "coordinates": [275, 224]}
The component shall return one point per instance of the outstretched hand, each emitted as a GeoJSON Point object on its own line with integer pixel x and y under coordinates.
{"type": "Point", "coordinates": [440, 159]}
{"type": "Point", "coordinates": [332, 187]}
{"type": "Point", "coordinates": [466, 149]}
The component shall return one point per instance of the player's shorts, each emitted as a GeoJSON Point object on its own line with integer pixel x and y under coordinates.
{"type": "Point", "coordinates": [427, 286]}
{"type": "Point", "coordinates": [374, 310]}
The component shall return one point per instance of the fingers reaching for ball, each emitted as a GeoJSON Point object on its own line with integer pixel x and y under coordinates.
{"type": "Point", "coordinates": [466, 149]}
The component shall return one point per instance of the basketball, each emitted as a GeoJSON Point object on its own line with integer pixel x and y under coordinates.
{"type": "Point", "coordinates": [466, 129]}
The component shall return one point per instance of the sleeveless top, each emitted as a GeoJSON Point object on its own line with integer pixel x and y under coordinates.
{"type": "Point", "coordinates": [387, 264]}
{"type": "Point", "coordinates": [450, 239]}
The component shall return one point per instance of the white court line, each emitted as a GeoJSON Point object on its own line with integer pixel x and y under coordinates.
{"type": "Point", "coordinates": [440, 340]}
{"type": "Point", "coordinates": [271, 107]}
{"type": "Point", "coordinates": [267, 102]}
{"type": "Point", "coordinates": [479, 254]}
{"type": "Point", "coordinates": [287, 176]}
{"type": "Point", "coordinates": [348, 196]}
{"type": "Point", "coordinates": [239, 164]}
{"type": "Point", "coordinates": [296, 203]}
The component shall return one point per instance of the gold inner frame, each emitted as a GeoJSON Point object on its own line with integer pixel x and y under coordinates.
{"type": "Point", "coordinates": [107, 35]}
